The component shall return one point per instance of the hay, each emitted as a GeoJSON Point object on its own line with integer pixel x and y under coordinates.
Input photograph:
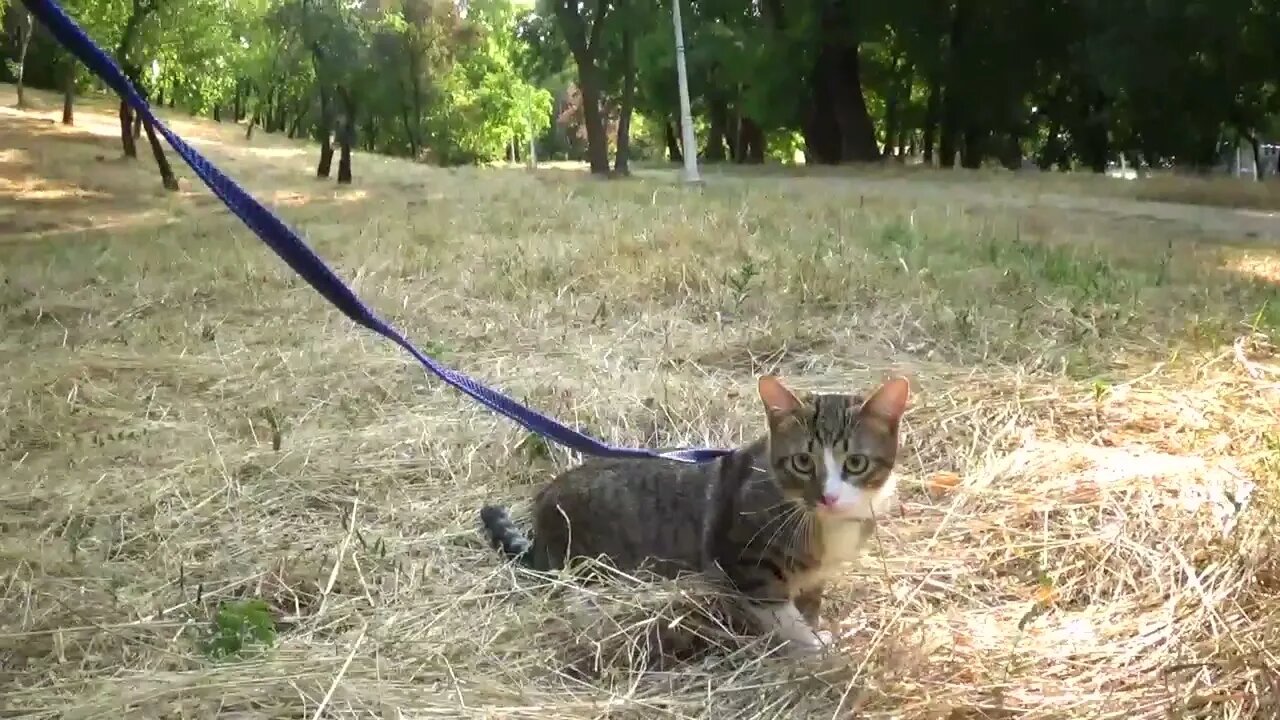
{"type": "Point", "coordinates": [1088, 474]}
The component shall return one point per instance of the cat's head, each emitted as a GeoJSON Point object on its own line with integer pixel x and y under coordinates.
{"type": "Point", "coordinates": [835, 453]}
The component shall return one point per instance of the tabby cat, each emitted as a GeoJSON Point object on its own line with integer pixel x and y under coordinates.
{"type": "Point", "coordinates": [773, 519]}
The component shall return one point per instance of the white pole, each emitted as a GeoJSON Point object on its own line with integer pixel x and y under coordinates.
{"type": "Point", "coordinates": [690, 174]}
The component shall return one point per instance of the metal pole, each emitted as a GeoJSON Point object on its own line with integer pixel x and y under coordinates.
{"type": "Point", "coordinates": [690, 174]}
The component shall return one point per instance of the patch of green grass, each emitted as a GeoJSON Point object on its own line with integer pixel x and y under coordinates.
{"type": "Point", "coordinates": [740, 282]}
{"type": "Point", "coordinates": [240, 629]}
{"type": "Point", "coordinates": [1267, 318]}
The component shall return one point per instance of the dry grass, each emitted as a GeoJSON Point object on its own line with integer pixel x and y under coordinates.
{"type": "Point", "coordinates": [1210, 190]}
{"type": "Point", "coordinates": [187, 426]}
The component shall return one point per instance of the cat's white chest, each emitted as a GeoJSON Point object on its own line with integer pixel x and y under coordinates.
{"type": "Point", "coordinates": [844, 541]}
{"type": "Point", "coordinates": [841, 543]}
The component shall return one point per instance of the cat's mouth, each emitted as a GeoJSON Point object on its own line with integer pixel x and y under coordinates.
{"type": "Point", "coordinates": [858, 507]}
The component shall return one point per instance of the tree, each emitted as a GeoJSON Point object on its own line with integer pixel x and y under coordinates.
{"type": "Point", "coordinates": [70, 71]}
{"type": "Point", "coordinates": [139, 11]}
{"type": "Point", "coordinates": [582, 24]}
{"type": "Point", "coordinates": [24, 28]}
{"type": "Point", "coordinates": [1072, 84]}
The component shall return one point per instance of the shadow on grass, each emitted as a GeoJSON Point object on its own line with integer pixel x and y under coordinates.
{"type": "Point", "coordinates": [60, 183]}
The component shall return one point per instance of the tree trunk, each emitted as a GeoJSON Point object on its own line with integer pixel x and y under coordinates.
{"type": "Point", "coordinates": [25, 31]}
{"type": "Point", "coordinates": [593, 119]}
{"type": "Point", "coordinates": [1010, 151]}
{"type": "Point", "coordinates": [622, 161]}
{"type": "Point", "coordinates": [300, 111]}
{"type": "Point", "coordinates": [751, 142]}
{"type": "Point", "coordinates": [410, 134]}
{"type": "Point", "coordinates": [822, 141]}
{"type": "Point", "coordinates": [413, 129]}
{"type": "Point", "coordinates": [717, 130]}
{"type": "Point", "coordinates": [1052, 145]}
{"type": "Point", "coordinates": [1259, 172]}
{"type": "Point", "coordinates": [139, 11]}
{"type": "Point", "coordinates": [859, 133]}
{"type": "Point", "coordinates": [253, 94]}
{"type": "Point", "coordinates": [248, 131]}
{"type": "Point", "coordinates": [347, 136]}
{"type": "Point", "coordinates": [585, 45]}
{"type": "Point", "coordinates": [167, 177]}
{"type": "Point", "coordinates": [931, 115]}
{"type": "Point", "coordinates": [901, 85]}
{"type": "Point", "coordinates": [324, 133]}
{"type": "Point", "coordinates": [839, 128]}
{"type": "Point", "coordinates": [69, 90]}
{"type": "Point", "coordinates": [891, 131]}
{"type": "Point", "coordinates": [733, 135]}
{"type": "Point", "coordinates": [282, 108]}
{"type": "Point", "coordinates": [1097, 145]}
{"type": "Point", "coordinates": [673, 142]}
{"type": "Point", "coordinates": [370, 141]}
{"type": "Point", "coordinates": [126, 131]}
{"type": "Point", "coordinates": [344, 155]}
{"type": "Point", "coordinates": [217, 113]}
{"type": "Point", "coordinates": [971, 148]}
{"type": "Point", "coordinates": [952, 101]}
{"type": "Point", "coordinates": [407, 114]}
{"type": "Point", "coordinates": [947, 146]}
{"type": "Point", "coordinates": [263, 109]}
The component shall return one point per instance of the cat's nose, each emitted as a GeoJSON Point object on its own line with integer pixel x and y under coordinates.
{"type": "Point", "coordinates": [830, 499]}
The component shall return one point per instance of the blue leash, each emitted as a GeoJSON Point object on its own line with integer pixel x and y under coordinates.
{"type": "Point", "coordinates": [286, 243]}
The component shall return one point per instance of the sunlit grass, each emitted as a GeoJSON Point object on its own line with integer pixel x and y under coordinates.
{"type": "Point", "coordinates": [1210, 189]}
{"type": "Point", "coordinates": [188, 429]}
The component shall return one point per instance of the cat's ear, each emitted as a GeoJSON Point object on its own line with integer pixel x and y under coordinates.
{"type": "Point", "coordinates": [889, 401]}
{"type": "Point", "coordinates": [778, 400]}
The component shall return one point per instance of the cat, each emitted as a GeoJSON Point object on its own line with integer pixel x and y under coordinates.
{"type": "Point", "coordinates": [771, 521]}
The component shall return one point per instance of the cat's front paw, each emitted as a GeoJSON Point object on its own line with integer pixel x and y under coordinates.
{"type": "Point", "coordinates": [814, 643]}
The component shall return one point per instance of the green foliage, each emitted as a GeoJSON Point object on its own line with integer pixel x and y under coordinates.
{"type": "Point", "coordinates": [414, 74]}
{"type": "Point", "coordinates": [239, 628]}
{"type": "Point", "coordinates": [484, 103]}
{"type": "Point", "coordinates": [785, 146]}
{"type": "Point", "coordinates": [1066, 83]}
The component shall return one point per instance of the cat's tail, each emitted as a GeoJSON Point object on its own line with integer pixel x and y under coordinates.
{"type": "Point", "coordinates": [504, 535]}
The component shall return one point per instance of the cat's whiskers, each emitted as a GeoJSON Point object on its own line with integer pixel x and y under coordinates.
{"type": "Point", "coordinates": [778, 518]}
{"type": "Point", "coordinates": [798, 515]}
{"type": "Point", "coordinates": [811, 529]}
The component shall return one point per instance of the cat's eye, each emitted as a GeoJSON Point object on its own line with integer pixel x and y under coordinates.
{"type": "Point", "coordinates": [801, 463]}
{"type": "Point", "coordinates": [856, 464]}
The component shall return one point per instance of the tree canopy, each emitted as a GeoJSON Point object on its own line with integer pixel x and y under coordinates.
{"type": "Point", "coordinates": [1061, 83]}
